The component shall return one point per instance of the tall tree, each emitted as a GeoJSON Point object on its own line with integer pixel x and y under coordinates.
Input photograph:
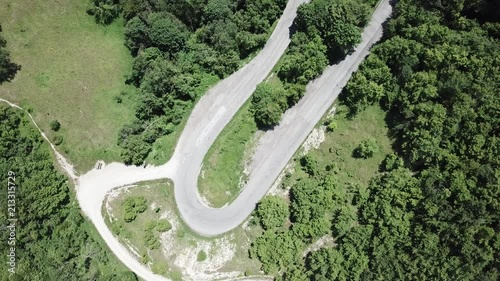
{"type": "Point", "coordinates": [8, 69]}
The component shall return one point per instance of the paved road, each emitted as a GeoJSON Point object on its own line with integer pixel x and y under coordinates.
{"type": "Point", "coordinates": [275, 147]}
{"type": "Point", "coordinates": [207, 120]}
{"type": "Point", "coordinates": [210, 115]}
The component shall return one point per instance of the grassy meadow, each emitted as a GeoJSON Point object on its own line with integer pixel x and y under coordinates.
{"type": "Point", "coordinates": [339, 145]}
{"type": "Point", "coordinates": [219, 182]}
{"type": "Point", "coordinates": [72, 70]}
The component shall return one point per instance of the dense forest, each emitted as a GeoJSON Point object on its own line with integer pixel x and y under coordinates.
{"type": "Point", "coordinates": [8, 69]}
{"type": "Point", "coordinates": [178, 46]}
{"type": "Point", "coordinates": [47, 235]}
{"type": "Point", "coordinates": [433, 210]}
{"type": "Point", "coordinates": [324, 32]}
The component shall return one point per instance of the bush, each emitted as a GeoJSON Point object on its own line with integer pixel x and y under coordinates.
{"type": "Point", "coordinates": [133, 206]}
{"type": "Point", "coordinates": [167, 32]}
{"type": "Point", "coordinates": [332, 126]}
{"type": "Point", "coordinates": [150, 226]}
{"type": "Point", "coordinates": [55, 125]}
{"type": "Point", "coordinates": [366, 148]}
{"type": "Point", "coordinates": [152, 241]}
{"type": "Point", "coordinates": [160, 268]}
{"type": "Point", "coordinates": [117, 227]}
{"type": "Point", "coordinates": [134, 150]}
{"type": "Point", "coordinates": [343, 220]}
{"type": "Point", "coordinates": [276, 250]}
{"type": "Point", "coordinates": [272, 212]}
{"type": "Point", "coordinates": [104, 11]}
{"type": "Point", "coordinates": [57, 140]}
{"type": "Point", "coordinates": [294, 93]}
{"type": "Point", "coordinates": [201, 256]}
{"type": "Point", "coordinates": [309, 165]}
{"type": "Point", "coordinates": [175, 276]}
{"type": "Point", "coordinates": [163, 225]}
{"type": "Point", "coordinates": [391, 162]}
{"type": "Point", "coordinates": [268, 104]}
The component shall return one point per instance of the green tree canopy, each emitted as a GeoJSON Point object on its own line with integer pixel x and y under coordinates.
{"type": "Point", "coordinates": [167, 32]}
{"type": "Point", "coordinates": [268, 104]}
{"type": "Point", "coordinates": [272, 212]}
{"type": "Point", "coordinates": [367, 148]}
{"type": "Point", "coordinates": [8, 69]}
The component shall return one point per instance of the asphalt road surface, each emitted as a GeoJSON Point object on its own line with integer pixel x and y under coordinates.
{"type": "Point", "coordinates": [275, 147]}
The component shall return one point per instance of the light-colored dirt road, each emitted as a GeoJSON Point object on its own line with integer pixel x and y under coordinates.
{"type": "Point", "coordinates": [207, 120]}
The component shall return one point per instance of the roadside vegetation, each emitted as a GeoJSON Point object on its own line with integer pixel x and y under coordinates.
{"type": "Point", "coordinates": [326, 31]}
{"type": "Point", "coordinates": [158, 237]}
{"type": "Point", "coordinates": [73, 70]}
{"type": "Point", "coordinates": [429, 209]}
{"type": "Point", "coordinates": [222, 174]}
{"type": "Point", "coordinates": [52, 240]}
{"type": "Point", "coordinates": [321, 38]}
{"type": "Point", "coordinates": [180, 48]}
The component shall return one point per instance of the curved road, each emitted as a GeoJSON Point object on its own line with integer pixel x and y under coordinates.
{"type": "Point", "coordinates": [216, 109]}
{"type": "Point", "coordinates": [207, 120]}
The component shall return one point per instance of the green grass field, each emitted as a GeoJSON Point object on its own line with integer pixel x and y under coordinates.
{"type": "Point", "coordinates": [72, 69]}
{"type": "Point", "coordinates": [338, 147]}
{"type": "Point", "coordinates": [224, 163]}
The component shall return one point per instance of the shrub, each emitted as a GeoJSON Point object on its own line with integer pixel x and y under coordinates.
{"type": "Point", "coordinates": [57, 140]}
{"type": "Point", "coordinates": [117, 227]}
{"type": "Point", "coordinates": [272, 212]}
{"type": "Point", "coordinates": [152, 241]}
{"type": "Point", "coordinates": [160, 268]}
{"type": "Point", "coordinates": [391, 162]}
{"type": "Point", "coordinates": [366, 148]}
{"type": "Point", "coordinates": [55, 125]}
{"type": "Point", "coordinates": [175, 276]}
{"type": "Point", "coordinates": [104, 11]}
{"type": "Point", "coordinates": [133, 206]}
{"type": "Point", "coordinates": [163, 225]}
{"type": "Point", "coordinates": [150, 226]}
{"type": "Point", "coordinates": [201, 256]}
{"type": "Point", "coordinates": [332, 126]}
{"type": "Point", "coordinates": [309, 165]}
{"type": "Point", "coordinates": [268, 104]}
